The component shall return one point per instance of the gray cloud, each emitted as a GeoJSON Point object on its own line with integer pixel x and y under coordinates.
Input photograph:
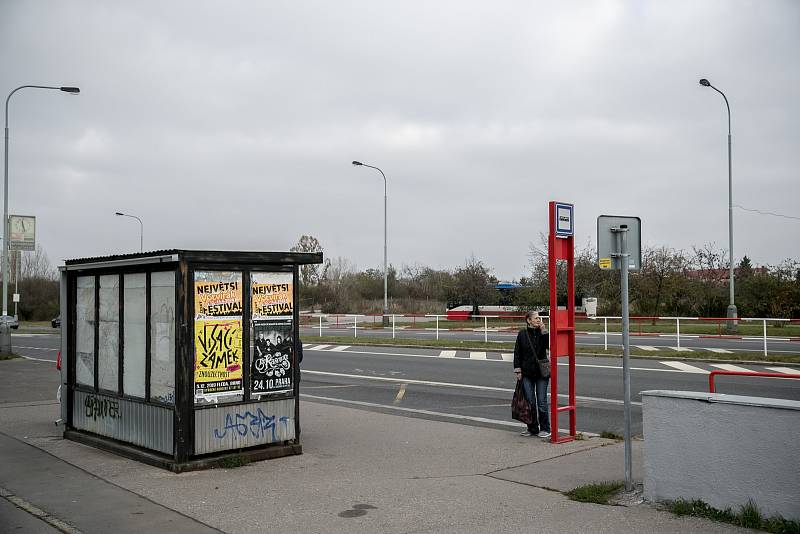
{"type": "Point", "coordinates": [231, 126]}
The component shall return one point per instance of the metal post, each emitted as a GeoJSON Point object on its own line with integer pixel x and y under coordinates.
{"type": "Point", "coordinates": [17, 261]}
{"type": "Point", "coordinates": [355, 326]}
{"type": "Point", "coordinates": [392, 326]}
{"type": "Point", "coordinates": [678, 328]}
{"type": "Point", "coordinates": [485, 329]}
{"type": "Point", "coordinates": [605, 333]}
{"type": "Point", "coordinates": [729, 325]}
{"type": "Point", "coordinates": [5, 333]}
{"type": "Point", "coordinates": [385, 253]}
{"type": "Point", "coordinates": [622, 247]}
{"type": "Point", "coordinates": [320, 326]}
{"type": "Point", "coordinates": [765, 337]}
{"type": "Point", "coordinates": [385, 246]}
{"type": "Point", "coordinates": [437, 328]}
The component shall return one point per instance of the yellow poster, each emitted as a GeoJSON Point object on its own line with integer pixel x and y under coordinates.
{"type": "Point", "coordinates": [217, 294]}
{"type": "Point", "coordinates": [218, 356]}
{"type": "Point", "coordinates": [272, 295]}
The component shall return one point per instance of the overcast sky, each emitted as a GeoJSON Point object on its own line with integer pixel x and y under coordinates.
{"type": "Point", "coordinates": [232, 125]}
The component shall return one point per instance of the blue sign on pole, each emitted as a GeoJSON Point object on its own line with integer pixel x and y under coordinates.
{"type": "Point", "coordinates": [565, 221]}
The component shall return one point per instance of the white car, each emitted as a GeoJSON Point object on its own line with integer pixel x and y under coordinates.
{"type": "Point", "coordinates": [9, 320]}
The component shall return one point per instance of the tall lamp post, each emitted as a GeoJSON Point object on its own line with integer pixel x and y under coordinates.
{"type": "Point", "coordinates": [5, 335]}
{"type": "Point", "coordinates": [385, 271]}
{"type": "Point", "coordinates": [731, 325]}
{"type": "Point", "coordinates": [141, 228]}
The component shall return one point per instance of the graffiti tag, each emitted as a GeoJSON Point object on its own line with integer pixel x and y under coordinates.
{"type": "Point", "coordinates": [99, 407]}
{"type": "Point", "coordinates": [258, 425]}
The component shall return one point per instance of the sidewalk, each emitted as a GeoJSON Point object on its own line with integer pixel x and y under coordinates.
{"type": "Point", "coordinates": [360, 472]}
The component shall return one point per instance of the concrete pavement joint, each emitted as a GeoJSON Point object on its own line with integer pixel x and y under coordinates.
{"type": "Point", "coordinates": [37, 512]}
{"type": "Point", "coordinates": [568, 453]}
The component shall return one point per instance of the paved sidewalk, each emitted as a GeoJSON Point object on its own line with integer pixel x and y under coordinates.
{"type": "Point", "coordinates": [361, 471]}
{"type": "Point", "coordinates": [72, 495]}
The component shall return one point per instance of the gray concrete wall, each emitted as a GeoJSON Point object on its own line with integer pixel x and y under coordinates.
{"type": "Point", "coordinates": [723, 449]}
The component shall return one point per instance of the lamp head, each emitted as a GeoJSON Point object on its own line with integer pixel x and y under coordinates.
{"type": "Point", "coordinates": [73, 90]}
{"type": "Point", "coordinates": [357, 163]}
{"type": "Point", "coordinates": [705, 83]}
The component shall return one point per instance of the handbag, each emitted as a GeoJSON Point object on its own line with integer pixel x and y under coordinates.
{"type": "Point", "coordinates": [544, 363]}
{"type": "Point", "coordinates": [520, 409]}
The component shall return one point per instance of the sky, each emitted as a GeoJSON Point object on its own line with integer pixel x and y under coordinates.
{"type": "Point", "coordinates": [232, 125]}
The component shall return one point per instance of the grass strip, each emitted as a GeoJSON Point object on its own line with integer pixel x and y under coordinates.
{"type": "Point", "coordinates": [508, 346]}
{"type": "Point", "coordinates": [8, 357]}
{"type": "Point", "coordinates": [598, 493]}
{"type": "Point", "coordinates": [748, 516]}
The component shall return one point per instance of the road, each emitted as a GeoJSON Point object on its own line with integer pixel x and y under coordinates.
{"type": "Point", "coordinates": [586, 340]}
{"type": "Point", "coordinates": [475, 387]}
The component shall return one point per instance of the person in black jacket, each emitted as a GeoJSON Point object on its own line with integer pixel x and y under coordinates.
{"type": "Point", "coordinates": [533, 343]}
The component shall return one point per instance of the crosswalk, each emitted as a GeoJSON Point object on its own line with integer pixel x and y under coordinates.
{"type": "Point", "coordinates": [665, 365]}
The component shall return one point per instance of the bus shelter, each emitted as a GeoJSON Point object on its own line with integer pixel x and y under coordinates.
{"type": "Point", "coordinates": [180, 358]}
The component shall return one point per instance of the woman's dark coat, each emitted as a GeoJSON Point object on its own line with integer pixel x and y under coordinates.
{"type": "Point", "coordinates": [525, 354]}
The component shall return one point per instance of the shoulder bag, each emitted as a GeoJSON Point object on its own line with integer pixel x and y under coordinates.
{"type": "Point", "coordinates": [543, 363]}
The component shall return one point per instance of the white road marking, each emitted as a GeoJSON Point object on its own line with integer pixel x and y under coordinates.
{"type": "Point", "coordinates": [340, 348]}
{"type": "Point", "coordinates": [463, 386]}
{"type": "Point", "coordinates": [319, 347]}
{"type": "Point", "coordinates": [477, 355]}
{"type": "Point", "coordinates": [423, 412]}
{"type": "Point", "coordinates": [646, 347]}
{"type": "Point", "coordinates": [452, 353]}
{"type": "Point", "coordinates": [507, 357]}
{"type": "Point", "coordinates": [720, 351]}
{"type": "Point", "coordinates": [681, 349]}
{"type": "Point", "coordinates": [729, 367]}
{"type": "Point", "coordinates": [785, 370]}
{"type": "Point", "coordinates": [36, 359]}
{"type": "Point", "coordinates": [685, 367]}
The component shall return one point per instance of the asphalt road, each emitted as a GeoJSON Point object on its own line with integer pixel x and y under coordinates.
{"type": "Point", "coordinates": [476, 387]}
{"type": "Point", "coordinates": [650, 343]}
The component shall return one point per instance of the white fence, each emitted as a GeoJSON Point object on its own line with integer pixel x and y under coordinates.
{"type": "Point", "coordinates": [354, 321]}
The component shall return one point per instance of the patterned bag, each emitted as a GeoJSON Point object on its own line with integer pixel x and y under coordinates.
{"type": "Point", "coordinates": [520, 409]}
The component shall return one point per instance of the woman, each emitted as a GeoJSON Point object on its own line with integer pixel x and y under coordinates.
{"type": "Point", "coordinates": [532, 345]}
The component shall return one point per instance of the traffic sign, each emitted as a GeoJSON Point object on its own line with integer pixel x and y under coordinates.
{"type": "Point", "coordinates": [608, 241]}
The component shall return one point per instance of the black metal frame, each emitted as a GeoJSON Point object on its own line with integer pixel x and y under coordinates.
{"type": "Point", "coordinates": [72, 278]}
{"type": "Point", "coordinates": [184, 268]}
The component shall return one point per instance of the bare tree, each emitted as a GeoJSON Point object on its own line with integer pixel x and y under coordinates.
{"type": "Point", "coordinates": [36, 265]}
{"type": "Point", "coordinates": [309, 274]}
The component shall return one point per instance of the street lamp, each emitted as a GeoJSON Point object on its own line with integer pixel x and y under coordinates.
{"type": "Point", "coordinates": [731, 325]}
{"type": "Point", "coordinates": [385, 271]}
{"type": "Point", "coordinates": [141, 228]}
{"type": "Point", "coordinates": [5, 336]}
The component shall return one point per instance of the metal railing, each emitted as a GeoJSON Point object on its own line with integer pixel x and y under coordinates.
{"type": "Point", "coordinates": [678, 320]}
{"type": "Point", "coordinates": [713, 374]}
{"type": "Point", "coordinates": [354, 321]}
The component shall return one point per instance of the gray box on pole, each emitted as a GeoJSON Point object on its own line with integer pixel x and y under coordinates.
{"type": "Point", "coordinates": [607, 242]}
